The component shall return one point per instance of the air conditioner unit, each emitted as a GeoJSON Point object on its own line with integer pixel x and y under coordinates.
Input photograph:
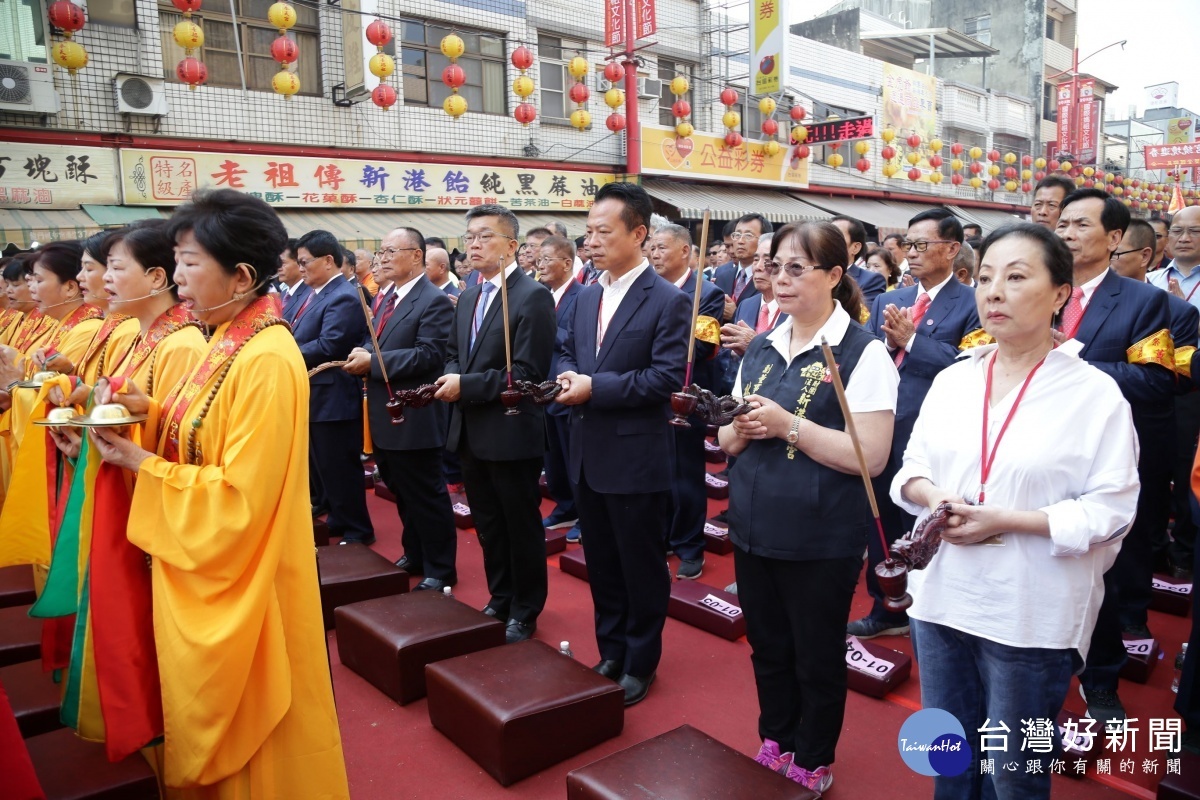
{"type": "Point", "coordinates": [649, 88]}
{"type": "Point", "coordinates": [140, 95]}
{"type": "Point", "coordinates": [27, 88]}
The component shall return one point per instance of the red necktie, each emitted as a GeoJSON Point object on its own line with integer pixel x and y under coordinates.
{"type": "Point", "coordinates": [303, 306]}
{"type": "Point", "coordinates": [918, 313]}
{"type": "Point", "coordinates": [1073, 313]}
{"type": "Point", "coordinates": [387, 314]}
{"type": "Point", "coordinates": [380, 299]}
{"type": "Point", "coordinates": [764, 319]}
{"type": "Point", "coordinates": [739, 285]}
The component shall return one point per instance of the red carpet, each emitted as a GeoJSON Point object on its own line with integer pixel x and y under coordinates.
{"type": "Point", "coordinates": [703, 680]}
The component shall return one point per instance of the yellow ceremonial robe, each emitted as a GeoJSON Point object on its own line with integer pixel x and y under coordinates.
{"type": "Point", "coordinates": [247, 696]}
{"type": "Point", "coordinates": [107, 356]}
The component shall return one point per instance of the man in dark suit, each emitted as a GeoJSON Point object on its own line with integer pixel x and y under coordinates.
{"type": "Point", "coordinates": [329, 324]}
{"type": "Point", "coordinates": [292, 290]}
{"type": "Point", "coordinates": [1124, 327]}
{"type": "Point", "coordinates": [925, 326]}
{"type": "Point", "coordinates": [736, 278]}
{"type": "Point", "coordinates": [554, 260]}
{"type": "Point", "coordinates": [870, 283]}
{"type": "Point", "coordinates": [670, 254]}
{"type": "Point", "coordinates": [501, 455]}
{"type": "Point", "coordinates": [623, 358]}
{"type": "Point", "coordinates": [412, 325]}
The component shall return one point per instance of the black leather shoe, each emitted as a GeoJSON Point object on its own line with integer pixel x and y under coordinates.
{"type": "Point", "coordinates": [518, 631]}
{"type": "Point", "coordinates": [430, 583]}
{"type": "Point", "coordinates": [411, 567]}
{"type": "Point", "coordinates": [358, 541]}
{"type": "Point", "coordinates": [635, 688]}
{"type": "Point", "coordinates": [491, 611]}
{"type": "Point", "coordinates": [609, 669]}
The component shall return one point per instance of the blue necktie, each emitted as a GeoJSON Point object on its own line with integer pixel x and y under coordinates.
{"type": "Point", "coordinates": [480, 310]}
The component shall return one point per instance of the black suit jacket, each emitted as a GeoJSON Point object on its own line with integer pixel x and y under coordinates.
{"type": "Point", "coordinates": [707, 368]}
{"type": "Point", "coordinates": [726, 278]}
{"type": "Point", "coordinates": [566, 305]}
{"type": "Point", "coordinates": [413, 343]}
{"type": "Point", "coordinates": [491, 435]}
{"type": "Point", "coordinates": [331, 326]}
{"type": "Point", "coordinates": [292, 304]}
{"type": "Point", "coordinates": [870, 283]}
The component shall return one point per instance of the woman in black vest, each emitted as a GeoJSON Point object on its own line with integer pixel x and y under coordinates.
{"type": "Point", "coordinates": [798, 513]}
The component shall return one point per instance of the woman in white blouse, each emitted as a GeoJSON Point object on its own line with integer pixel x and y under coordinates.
{"type": "Point", "coordinates": [1036, 452]}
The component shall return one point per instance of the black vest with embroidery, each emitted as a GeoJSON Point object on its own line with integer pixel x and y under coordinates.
{"type": "Point", "coordinates": [783, 504]}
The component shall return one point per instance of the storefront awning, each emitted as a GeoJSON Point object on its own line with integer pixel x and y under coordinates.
{"type": "Point", "coordinates": [116, 216]}
{"type": "Point", "coordinates": [989, 219]}
{"type": "Point", "coordinates": [728, 203]}
{"type": "Point", "coordinates": [24, 226]}
{"type": "Point", "coordinates": [874, 212]}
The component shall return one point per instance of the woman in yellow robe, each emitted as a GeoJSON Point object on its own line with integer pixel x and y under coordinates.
{"type": "Point", "coordinates": [11, 316]}
{"type": "Point", "coordinates": [223, 511]}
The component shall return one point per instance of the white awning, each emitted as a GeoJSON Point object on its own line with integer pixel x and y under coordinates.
{"type": "Point", "coordinates": [731, 202]}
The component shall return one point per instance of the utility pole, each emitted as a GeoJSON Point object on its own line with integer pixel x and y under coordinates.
{"type": "Point", "coordinates": [633, 126]}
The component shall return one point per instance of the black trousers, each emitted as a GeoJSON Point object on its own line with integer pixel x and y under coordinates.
{"type": "Point", "coordinates": [557, 479]}
{"type": "Point", "coordinates": [796, 614]}
{"type": "Point", "coordinates": [1182, 541]}
{"type": "Point", "coordinates": [429, 538]}
{"type": "Point", "coordinates": [896, 522]}
{"type": "Point", "coordinates": [687, 491]}
{"type": "Point", "coordinates": [506, 505]}
{"type": "Point", "coordinates": [335, 449]}
{"type": "Point", "coordinates": [625, 544]}
{"type": "Point", "coordinates": [1188, 701]}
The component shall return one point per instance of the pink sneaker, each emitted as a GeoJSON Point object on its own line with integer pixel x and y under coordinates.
{"type": "Point", "coordinates": [819, 779]}
{"type": "Point", "coordinates": [770, 757]}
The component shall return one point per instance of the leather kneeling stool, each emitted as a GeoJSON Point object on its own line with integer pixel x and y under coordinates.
{"type": "Point", "coordinates": [389, 640]}
{"type": "Point", "coordinates": [521, 708]}
{"type": "Point", "coordinates": [34, 696]}
{"type": "Point", "coordinates": [707, 608]}
{"type": "Point", "coordinates": [572, 563]}
{"type": "Point", "coordinates": [1185, 785]}
{"type": "Point", "coordinates": [16, 586]}
{"type": "Point", "coordinates": [351, 573]}
{"type": "Point", "coordinates": [20, 636]}
{"type": "Point", "coordinates": [71, 769]}
{"type": "Point", "coordinates": [556, 541]}
{"type": "Point", "coordinates": [683, 764]}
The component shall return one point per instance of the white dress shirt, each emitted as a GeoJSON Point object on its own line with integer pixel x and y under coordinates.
{"type": "Point", "coordinates": [560, 291]}
{"type": "Point", "coordinates": [1089, 288]}
{"type": "Point", "coordinates": [495, 281]}
{"type": "Point", "coordinates": [614, 293]}
{"type": "Point", "coordinates": [317, 290]}
{"type": "Point", "coordinates": [402, 291]}
{"type": "Point", "coordinates": [1069, 451]}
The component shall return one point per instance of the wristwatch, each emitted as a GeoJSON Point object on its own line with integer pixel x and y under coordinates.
{"type": "Point", "coordinates": [793, 435]}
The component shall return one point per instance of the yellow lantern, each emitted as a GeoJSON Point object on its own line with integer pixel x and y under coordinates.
{"type": "Point", "coordinates": [771, 148]}
{"type": "Point", "coordinates": [976, 182]}
{"type": "Point", "coordinates": [1065, 166]}
{"type": "Point", "coordinates": [382, 65]}
{"type": "Point", "coordinates": [1079, 179]}
{"type": "Point", "coordinates": [912, 158]}
{"type": "Point", "coordinates": [799, 133]}
{"type": "Point", "coordinates": [890, 169]}
{"type": "Point", "coordinates": [888, 135]}
{"type": "Point", "coordinates": [452, 47]}
{"type": "Point", "coordinates": [861, 148]}
{"type": "Point", "coordinates": [1118, 191]}
{"type": "Point", "coordinates": [684, 129]}
{"type": "Point", "coordinates": [1109, 177]}
{"type": "Point", "coordinates": [580, 118]}
{"type": "Point", "coordinates": [455, 105]}
{"type": "Point", "coordinates": [1010, 158]}
{"type": "Point", "coordinates": [614, 98]}
{"type": "Point", "coordinates": [1010, 186]}
{"type": "Point", "coordinates": [976, 153]}
{"type": "Point", "coordinates": [935, 177]}
{"type": "Point", "coordinates": [993, 170]}
{"type": "Point", "coordinates": [679, 85]}
{"type": "Point", "coordinates": [285, 83]}
{"type": "Point", "coordinates": [69, 55]}
{"type": "Point", "coordinates": [188, 35]}
{"type": "Point", "coordinates": [766, 106]}
{"type": "Point", "coordinates": [956, 164]}
{"type": "Point", "coordinates": [1039, 162]}
{"type": "Point", "coordinates": [282, 16]}
{"type": "Point", "coordinates": [578, 67]}
{"type": "Point", "coordinates": [935, 145]}
{"type": "Point", "coordinates": [732, 119]}
{"type": "Point", "coordinates": [523, 86]}
{"type": "Point", "coordinates": [835, 160]}
{"type": "Point", "coordinates": [1089, 171]}
{"type": "Point", "coordinates": [1026, 174]}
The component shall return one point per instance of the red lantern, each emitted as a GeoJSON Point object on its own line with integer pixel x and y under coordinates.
{"type": "Point", "coordinates": [834, 146]}
{"type": "Point", "coordinates": [993, 155]}
{"type": "Point", "coordinates": [862, 165]}
{"type": "Point", "coordinates": [578, 93]}
{"type": "Point", "coordinates": [284, 50]}
{"type": "Point", "coordinates": [186, 6]}
{"type": "Point", "coordinates": [798, 113]}
{"type": "Point", "coordinates": [1052, 165]}
{"type": "Point", "coordinates": [191, 72]}
{"type": "Point", "coordinates": [1119, 180]}
{"type": "Point", "coordinates": [522, 57]}
{"type": "Point", "coordinates": [383, 96]}
{"type": "Point", "coordinates": [770, 127]}
{"type": "Point", "coordinates": [453, 76]}
{"type": "Point", "coordinates": [1026, 161]}
{"type": "Point", "coordinates": [993, 184]}
{"type": "Point", "coordinates": [914, 141]}
{"type": "Point", "coordinates": [956, 179]}
{"type": "Point", "coordinates": [681, 108]}
{"type": "Point", "coordinates": [1039, 175]}
{"type": "Point", "coordinates": [615, 122]}
{"type": "Point", "coordinates": [887, 153]}
{"type": "Point", "coordinates": [975, 168]}
{"type": "Point", "coordinates": [914, 174]}
{"type": "Point", "coordinates": [935, 161]}
{"type": "Point", "coordinates": [1136, 183]}
{"type": "Point", "coordinates": [378, 33]}
{"type": "Point", "coordinates": [956, 149]}
{"type": "Point", "coordinates": [802, 151]}
{"type": "Point", "coordinates": [1010, 172]}
{"type": "Point", "coordinates": [614, 72]}
{"type": "Point", "coordinates": [67, 16]}
{"type": "Point", "coordinates": [1026, 187]}
{"type": "Point", "coordinates": [525, 113]}
{"type": "Point", "coordinates": [733, 139]}
{"type": "Point", "coordinates": [729, 97]}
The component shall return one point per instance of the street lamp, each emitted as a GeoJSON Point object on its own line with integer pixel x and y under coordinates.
{"type": "Point", "coordinates": [1076, 145]}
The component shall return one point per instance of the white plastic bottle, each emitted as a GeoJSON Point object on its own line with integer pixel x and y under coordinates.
{"type": "Point", "coordinates": [565, 649]}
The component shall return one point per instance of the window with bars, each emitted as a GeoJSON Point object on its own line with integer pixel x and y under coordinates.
{"type": "Point", "coordinates": [22, 31]}
{"type": "Point", "coordinates": [980, 28]}
{"type": "Point", "coordinates": [422, 62]}
{"type": "Point", "coordinates": [253, 34]}
{"type": "Point", "coordinates": [667, 70]}
{"type": "Point", "coordinates": [553, 54]}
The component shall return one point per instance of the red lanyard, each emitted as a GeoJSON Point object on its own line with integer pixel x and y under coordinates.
{"type": "Point", "coordinates": [1192, 292]}
{"type": "Point", "coordinates": [986, 459]}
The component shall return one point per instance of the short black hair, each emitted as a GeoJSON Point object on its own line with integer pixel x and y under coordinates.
{"type": "Point", "coordinates": [13, 268]}
{"type": "Point", "coordinates": [897, 236]}
{"type": "Point", "coordinates": [545, 233]}
{"type": "Point", "coordinates": [1114, 216]}
{"type": "Point", "coordinates": [494, 210]}
{"type": "Point", "coordinates": [150, 243]}
{"type": "Point", "coordinates": [754, 216]}
{"type": "Point", "coordinates": [432, 242]}
{"type": "Point", "coordinates": [858, 232]}
{"type": "Point", "coordinates": [977, 227]}
{"type": "Point", "coordinates": [290, 248]}
{"type": "Point", "coordinates": [1055, 182]}
{"type": "Point", "coordinates": [320, 244]}
{"type": "Point", "coordinates": [1164, 220]}
{"type": "Point", "coordinates": [636, 201]}
{"type": "Point", "coordinates": [61, 258]}
{"type": "Point", "coordinates": [948, 225]}
{"type": "Point", "coordinates": [96, 245]}
{"type": "Point", "coordinates": [348, 256]}
{"type": "Point", "coordinates": [1139, 234]}
{"type": "Point", "coordinates": [235, 228]}
{"type": "Point", "coordinates": [729, 228]}
{"type": "Point", "coordinates": [1055, 254]}
{"type": "Point", "coordinates": [416, 238]}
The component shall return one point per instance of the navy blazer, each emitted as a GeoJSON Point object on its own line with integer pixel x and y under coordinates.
{"type": "Point", "coordinates": [707, 369]}
{"type": "Point", "coordinates": [1185, 324]}
{"type": "Point", "coordinates": [451, 288]}
{"type": "Point", "coordinates": [726, 277]}
{"type": "Point", "coordinates": [562, 314]}
{"type": "Point", "coordinates": [414, 352]}
{"type": "Point", "coordinates": [292, 304]}
{"type": "Point", "coordinates": [621, 437]}
{"type": "Point", "coordinates": [870, 283]}
{"type": "Point", "coordinates": [950, 317]}
{"type": "Point", "coordinates": [332, 326]}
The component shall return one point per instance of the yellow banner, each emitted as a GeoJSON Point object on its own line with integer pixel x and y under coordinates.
{"type": "Point", "coordinates": [768, 54]}
{"type": "Point", "coordinates": [56, 176]}
{"type": "Point", "coordinates": [700, 156]}
{"type": "Point", "coordinates": [1180, 130]}
{"type": "Point", "coordinates": [165, 177]}
{"type": "Point", "coordinates": [910, 106]}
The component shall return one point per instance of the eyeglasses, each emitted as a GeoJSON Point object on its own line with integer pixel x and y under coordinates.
{"type": "Point", "coordinates": [549, 260]}
{"type": "Point", "coordinates": [1193, 233]}
{"type": "Point", "coordinates": [388, 252]}
{"type": "Point", "coordinates": [922, 245]}
{"type": "Point", "coordinates": [304, 264]}
{"type": "Point", "coordinates": [1119, 253]}
{"type": "Point", "coordinates": [485, 238]}
{"type": "Point", "coordinates": [742, 235]}
{"type": "Point", "coordinates": [794, 268]}
{"type": "Point", "coordinates": [1044, 205]}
